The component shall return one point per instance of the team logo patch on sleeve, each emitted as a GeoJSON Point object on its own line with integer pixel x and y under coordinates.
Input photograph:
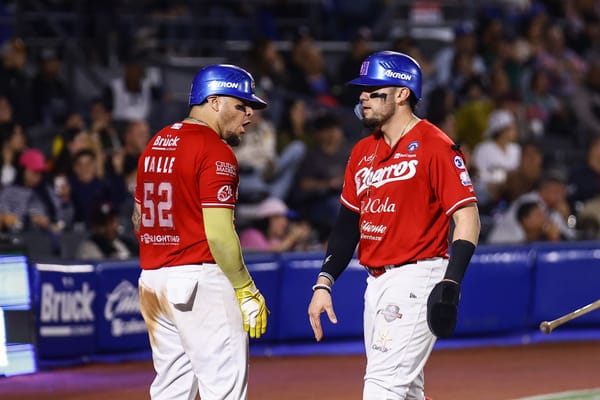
{"type": "Point", "coordinates": [225, 168]}
{"type": "Point", "coordinates": [412, 146]}
{"type": "Point", "coordinates": [225, 193]}
{"type": "Point", "coordinates": [459, 163]}
{"type": "Point", "coordinates": [465, 179]}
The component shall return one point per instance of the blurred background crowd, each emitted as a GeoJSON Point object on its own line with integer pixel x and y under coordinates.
{"type": "Point", "coordinates": [84, 85]}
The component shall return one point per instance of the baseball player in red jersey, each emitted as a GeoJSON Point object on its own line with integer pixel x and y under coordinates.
{"type": "Point", "coordinates": [402, 185]}
{"type": "Point", "coordinates": [196, 295]}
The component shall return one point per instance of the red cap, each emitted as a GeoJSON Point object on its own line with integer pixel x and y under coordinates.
{"type": "Point", "coordinates": [33, 159]}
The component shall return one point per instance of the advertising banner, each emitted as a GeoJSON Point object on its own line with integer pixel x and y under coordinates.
{"type": "Point", "coordinates": [120, 326]}
{"type": "Point", "coordinates": [64, 303]}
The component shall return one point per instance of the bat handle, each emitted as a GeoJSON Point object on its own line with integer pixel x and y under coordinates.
{"type": "Point", "coordinates": [546, 327]}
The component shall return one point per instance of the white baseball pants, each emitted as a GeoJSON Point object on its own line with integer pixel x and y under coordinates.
{"type": "Point", "coordinates": [196, 333]}
{"type": "Point", "coordinates": [398, 341]}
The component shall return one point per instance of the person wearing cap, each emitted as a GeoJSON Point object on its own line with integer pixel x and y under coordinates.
{"type": "Point", "coordinates": [496, 156]}
{"type": "Point", "coordinates": [197, 297]}
{"type": "Point", "coordinates": [403, 186]}
{"type": "Point", "coordinates": [104, 241]}
{"type": "Point", "coordinates": [30, 203]}
{"type": "Point", "coordinates": [273, 230]}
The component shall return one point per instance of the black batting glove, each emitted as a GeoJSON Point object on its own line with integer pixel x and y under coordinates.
{"type": "Point", "coordinates": [442, 308]}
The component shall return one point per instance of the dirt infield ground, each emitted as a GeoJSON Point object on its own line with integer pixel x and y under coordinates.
{"type": "Point", "coordinates": [491, 373]}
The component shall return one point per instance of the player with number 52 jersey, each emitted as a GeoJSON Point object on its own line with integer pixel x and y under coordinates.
{"type": "Point", "coordinates": [196, 295]}
{"type": "Point", "coordinates": [186, 168]}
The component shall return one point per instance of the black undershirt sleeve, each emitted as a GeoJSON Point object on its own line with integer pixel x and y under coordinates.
{"type": "Point", "coordinates": [342, 243]}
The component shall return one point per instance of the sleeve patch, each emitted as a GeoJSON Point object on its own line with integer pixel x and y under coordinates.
{"type": "Point", "coordinates": [459, 163]}
{"type": "Point", "coordinates": [225, 193]}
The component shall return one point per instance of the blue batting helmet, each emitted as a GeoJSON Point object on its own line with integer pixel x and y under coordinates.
{"type": "Point", "coordinates": [224, 80]}
{"type": "Point", "coordinates": [390, 68]}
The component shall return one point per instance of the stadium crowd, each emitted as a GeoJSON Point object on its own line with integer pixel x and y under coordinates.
{"type": "Point", "coordinates": [517, 87]}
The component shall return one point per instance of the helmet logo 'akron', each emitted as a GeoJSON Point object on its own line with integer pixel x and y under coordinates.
{"type": "Point", "coordinates": [221, 84]}
{"type": "Point", "coordinates": [398, 75]}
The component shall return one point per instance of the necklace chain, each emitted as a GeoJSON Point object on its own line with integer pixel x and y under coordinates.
{"type": "Point", "coordinates": [196, 120]}
{"type": "Point", "coordinates": [377, 148]}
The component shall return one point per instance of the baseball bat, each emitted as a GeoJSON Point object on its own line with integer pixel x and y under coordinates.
{"type": "Point", "coordinates": [548, 326]}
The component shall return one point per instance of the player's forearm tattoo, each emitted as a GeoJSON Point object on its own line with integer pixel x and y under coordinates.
{"type": "Point", "coordinates": [135, 219]}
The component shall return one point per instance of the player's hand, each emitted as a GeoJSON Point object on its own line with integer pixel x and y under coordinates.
{"type": "Point", "coordinates": [320, 302]}
{"type": "Point", "coordinates": [442, 308]}
{"type": "Point", "coordinates": [254, 310]}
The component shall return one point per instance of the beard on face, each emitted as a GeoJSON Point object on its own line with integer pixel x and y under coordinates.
{"type": "Point", "coordinates": [374, 123]}
{"type": "Point", "coordinates": [371, 123]}
{"type": "Point", "coordinates": [233, 140]}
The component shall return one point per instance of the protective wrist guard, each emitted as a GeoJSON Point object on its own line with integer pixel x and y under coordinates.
{"type": "Point", "coordinates": [254, 309]}
{"type": "Point", "coordinates": [460, 256]}
{"type": "Point", "coordinates": [442, 304]}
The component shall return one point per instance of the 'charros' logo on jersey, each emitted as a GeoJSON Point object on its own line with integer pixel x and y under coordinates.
{"type": "Point", "coordinates": [401, 171]}
{"type": "Point", "coordinates": [412, 146]}
{"type": "Point", "coordinates": [225, 168]}
{"type": "Point", "coordinates": [223, 84]}
{"type": "Point", "coordinates": [225, 193]}
{"type": "Point", "coordinates": [459, 163]}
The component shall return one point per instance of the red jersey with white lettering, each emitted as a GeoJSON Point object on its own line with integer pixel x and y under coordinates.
{"type": "Point", "coordinates": [405, 195]}
{"type": "Point", "coordinates": [184, 168]}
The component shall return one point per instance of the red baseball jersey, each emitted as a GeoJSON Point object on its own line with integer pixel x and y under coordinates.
{"type": "Point", "coordinates": [184, 168]}
{"type": "Point", "coordinates": [405, 195]}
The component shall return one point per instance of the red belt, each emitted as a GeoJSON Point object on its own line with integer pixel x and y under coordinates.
{"type": "Point", "coordinates": [378, 271]}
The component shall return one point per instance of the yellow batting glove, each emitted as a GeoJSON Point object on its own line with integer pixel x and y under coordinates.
{"type": "Point", "coordinates": [254, 310]}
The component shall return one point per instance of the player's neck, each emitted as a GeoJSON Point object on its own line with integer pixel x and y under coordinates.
{"type": "Point", "coordinates": [399, 128]}
{"type": "Point", "coordinates": [194, 120]}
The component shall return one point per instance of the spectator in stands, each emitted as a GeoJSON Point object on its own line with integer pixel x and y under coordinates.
{"type": "Point", "coordinates": [13, 142]}
{"type": "Point", "coordinates": [273, 231]}
{"type": "Point", "coordinates": [87, 187]}
{"type": "Point", "coordinates": [584, 179]}
{"type": "Point", "coordinates": [50, 94]}
{"type": "Point", "coordinates": [472, 112]}
{"type": "Point", "coordinates": [535, 223]}
{"type": "Point", "coordinates": [440, 111]}
{"type": "Point", "coordinates": [321, 174]}
{"type": "Point", "coordinates": [132, 95]}
{"type": "Point", "coordinates": [30, 203]}
{"type": "Point", "coordinates": [551, 195]}
{"type": "Point", "coordinates": [585, 104]}
{"type": "Point", "coordinates": [269, 70]}
{"type": "Point", "coordinates": [102, 126]}
{"type": "Point", "coordinates": [67, 144]}
{"type": "Point", "coordinates": [544, 111]}
{"type": "Point", "coordinates": [15, 83]}
{"type": "Point", "coordinates": [6, 110]}
{"type": "Point", "coordinates": [526, 177]}
{"type": "Point", "coordinates": [294, 125]}
{"type": "Point", "coordinates": [104, 241]}
{"type": "Point", "coordinates": [135, 138]}
{"type": "Point", "coordinates": [360, 47]}
{"type": "Point", "coordinates": [263, 172]}
{"type": "Point", "coordinates": [455, 64]}
{"type": "Point", "coordinates": [565, 68]}
{"type": "Point", "coordinates": [308, 76]}
{"type": "Point", "coordinates": [497, 156]}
